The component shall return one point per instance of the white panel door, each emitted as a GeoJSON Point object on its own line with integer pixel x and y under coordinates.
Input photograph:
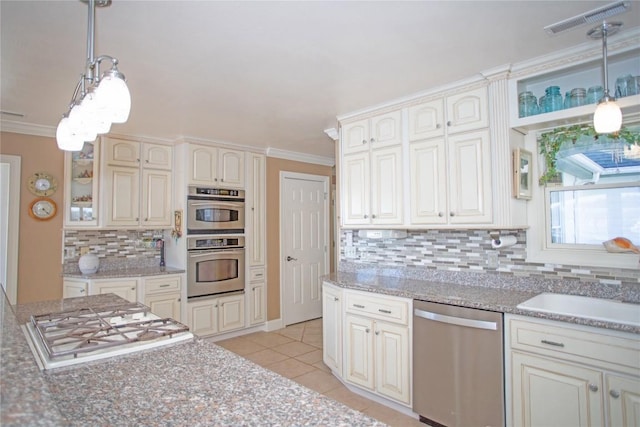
{"type": "Point", "coordinates": [230, 313]}
{"type": "Point", "coordinates": [164, 305]}
{"type": "Point", "coordinates": [231, 168]}
{"type": "Point", "coordinates": [156, 198]}
{"type": "Point", "coordinates": [467, 111]}
{"type": "Point", "coordinates": [356, 189]}
{"type": "Point", "coordinates": [332, 328]}
{"type": "Point", "coordinates": [157, 156]}
{"type": "Point", "coordinates": [203, 162]}
{"type": "Point", "coordinates": [392, 361]}
{"type": "Point", "coordinates": [355, 137]}
{"type": "Point", "coordinates": [123, 192]}
{"type": "Point", "coordinates": [386, 186]}
{"type": "Point", "coordinates": [122, 152]}
{"type": "Point", "coordinates": [202, 317]}
{"type": "Point", "coordinates": [426, 120]}
{"type": "Point", "coordinates": [304, 236]}
{"type": "Point", "coordinates": [386, 130]}
{"type": "Point", "coordinates": [623, 399]}
{"type": "Point", "coordinates": [470, 178]}
{"type": "Point", "coordinates": [428, 182]}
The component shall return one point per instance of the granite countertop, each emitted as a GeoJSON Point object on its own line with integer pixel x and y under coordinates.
{"type": "Point", "coordinates": [497, 299]}
{"type": "Point", "coordinates": [194, 383]}
{"type": "Point", "coordinates": [124, 272]}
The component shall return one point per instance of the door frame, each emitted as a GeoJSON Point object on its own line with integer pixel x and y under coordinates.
{"type": "Point", "coordinates": [13, 224]}
{"type": "Point", "coordinates": [284, 175]}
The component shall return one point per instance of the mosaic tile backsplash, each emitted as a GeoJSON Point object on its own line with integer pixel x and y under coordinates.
{"type": "Point", "coordinates": [470, 251]}
{"type": "Point", "coordinates": [117, 249]}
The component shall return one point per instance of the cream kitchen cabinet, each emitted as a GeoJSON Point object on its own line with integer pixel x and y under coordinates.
{"type": "Point", "coordinates": [72, 288]}
{"type": "Point", "coordinates": [255, 211]}
{"type": "Point", "coordinates": [332, 327]}
{"type": "Point", "coordinates": [257, 296]}
{"type": "Point", "coordinates": [380, 131]}
{"type": "Point", "coordinates": [81, 186]}
{"type": "Point", "coordinates": [213, 166]}
{"type": "Point", "coordinates": [138, 191]}
{"type": "Point", "coordinates": [377, 349]}
{"type": "Point", "coordinates": [465, 111]}
{"type": "Point", "coordinates": [451, 179]}
{"type": "Point", "coordinates": [372, 187]}
{"type": "Point", "coordinates": [162, 294]}
{"type": "Point", "coordinates": [124, 288]}
{"type": "Point", "coordinates": [216, 315]}
{"type": "Point", "coordinates": [563, 374]}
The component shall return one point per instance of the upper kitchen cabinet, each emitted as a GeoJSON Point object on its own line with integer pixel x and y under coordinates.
{"type": "Point", "coordinates": [380, 131]}
{"type": "Point", "coordinates": [81, 186]}
{"type": "Point", "coordinates": [580, 70]}
{"type": "Point", "coordinates": [213, 166]}
{"type": "Point", "coordinates": [137, 189]}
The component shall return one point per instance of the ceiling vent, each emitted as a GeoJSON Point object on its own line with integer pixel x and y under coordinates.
{"type": "Point", "coordinates": [595, 15]}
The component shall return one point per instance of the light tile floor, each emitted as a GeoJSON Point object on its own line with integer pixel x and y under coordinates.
{"type": "Point", "coordinates": [296, 353]}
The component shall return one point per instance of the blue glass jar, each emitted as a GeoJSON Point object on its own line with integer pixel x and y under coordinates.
{"type": "Point", "coordinates": [553, 99]}
{"type": "Point", "coordinates": [578, 97]}
{"type": "Point", "coordinates": [594, 94]}
{"type": "Point", "coordinates": [567, 100]}
{"type": "Point", "coordinates": [527, 104]}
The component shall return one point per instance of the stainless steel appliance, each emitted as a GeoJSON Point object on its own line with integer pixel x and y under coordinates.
{"type": "Point", "coordinates": [458, 366]}
{"type": "Point", "coordinates": [215, 210]}
{"type": "Point", "coordinates": [215, 264]}
{"type": "Point", "coordinates": [86, 334]}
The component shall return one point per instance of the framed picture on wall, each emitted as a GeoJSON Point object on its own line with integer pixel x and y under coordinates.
{"type": "Point", "coordinates": [522, 174]}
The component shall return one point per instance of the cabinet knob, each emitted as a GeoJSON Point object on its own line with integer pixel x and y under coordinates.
{"type": "Point", "coordinates": [215, 179]}
{"type": "Point", "coordinates": [440, 214]}
{"type": "Point", "coordinates": [133, 289]}
{"type": "Point", "coordinates": [614, 393]}
{"type": "Point", "coordinates": [438, 126]}
{"type": "Point", "coordinates": [593, 387]}
{"type": "Point", "coordinates": [334, 298]}
{"type": "Point", "coordinates": [452, 214]}
{"type": "Point", "coordinates": [373, 216]}
{"type": "Point", "coordinates": [366, 216]}
{"type": "Point", "coordinates": [138, 160]}
{"type": "Point", "coordinates": [146, 161]}
{"type": "Point", "coordinates": [364, 141]}
{"type": "Point", "coordinates": [449, 123]}
{"type": "Point", "coordinates": [221, 179]}
{"type": "Point", "coordinates": [82, 291]}
{"type": "Point", "coordinates": [372, 140]}
{"type": "Point", "coordinates": [367, 330]}
{"type": "Point", "coordinates": [377, 332]}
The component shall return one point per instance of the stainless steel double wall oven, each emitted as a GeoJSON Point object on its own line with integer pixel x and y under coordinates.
{"type": "Point", "coordinates": [215, 241]}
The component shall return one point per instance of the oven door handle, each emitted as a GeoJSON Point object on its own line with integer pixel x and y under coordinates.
{"type": "Point", "coordinates": [217, 251]}
{"type": "Point", "coordinates": [216, 204]}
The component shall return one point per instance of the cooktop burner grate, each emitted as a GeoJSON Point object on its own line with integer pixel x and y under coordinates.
{"type": "Point", "coordinates": [91, 329]}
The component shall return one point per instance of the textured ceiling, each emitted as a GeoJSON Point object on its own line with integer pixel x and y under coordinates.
{"type": "Point", "coordinates": [267, 74]}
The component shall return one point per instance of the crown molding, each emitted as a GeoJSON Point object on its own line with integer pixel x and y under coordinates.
{"type": "Point", "coordinates": [27, 128]}
{"type": "Point", "coordinates": [300, 157]}
{"type": "Point", "coordinates": [219, 143]}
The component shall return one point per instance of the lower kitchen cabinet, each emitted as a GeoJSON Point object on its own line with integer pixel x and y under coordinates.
{"type": "Point", "coordinates": [163, 295]}
{"type": "Point", "coordinates": [72, 288]}
{"type": "Point", "coordinates": [563, 374]}
{"type": "Point", "coordinates": [332, 327]}
{"type": "Point", "coordinates": [367, 341]}
{"type": "Point", "coordinates": [257, 296]}
{"type": "Point", "coordinates": [216, 315]}
{"type": "Point", "coordinates": [124, 288]}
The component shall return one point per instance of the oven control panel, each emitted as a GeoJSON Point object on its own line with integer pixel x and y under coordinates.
{"type": "Point", "coordinates": [215, 242]}
{"type": "Point", "coordinates": [216, 192]}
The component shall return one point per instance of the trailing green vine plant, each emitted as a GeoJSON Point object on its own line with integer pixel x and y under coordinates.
{"type": "Point", "coordinates": [550, 143]}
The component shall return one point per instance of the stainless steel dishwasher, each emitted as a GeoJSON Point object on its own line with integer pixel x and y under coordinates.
{"type": "Point", "coordinates": [458, 366]}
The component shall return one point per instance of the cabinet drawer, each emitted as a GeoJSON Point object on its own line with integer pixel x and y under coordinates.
{"type": "Point", "coordinates": [380, 307]}
{"type": "Point", "coordinates": [161, 284]}
{"type": "Point", "coordinates": [256, 274]}
{"type": "Point", "coordinates": [600, 348]}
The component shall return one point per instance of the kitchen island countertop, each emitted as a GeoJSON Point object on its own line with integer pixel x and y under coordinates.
{"type": "Point", "coordinates": [480, 297]}
{"type": "Point", "coordinates": [195, 383]}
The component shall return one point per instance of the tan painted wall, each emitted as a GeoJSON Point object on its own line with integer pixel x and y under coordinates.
{"type": "Point", "coordinates": [274, 166]}
{"type": "Point", "coordinates": [40, 242]}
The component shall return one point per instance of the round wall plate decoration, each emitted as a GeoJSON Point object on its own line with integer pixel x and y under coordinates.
{"type": "Point", "coordinates": [42, 184]}
{"type": "Point", "coordinates": [43, 209]}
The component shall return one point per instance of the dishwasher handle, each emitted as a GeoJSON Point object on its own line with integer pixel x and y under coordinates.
{"type": "Point", "coordinates": [460, 321]}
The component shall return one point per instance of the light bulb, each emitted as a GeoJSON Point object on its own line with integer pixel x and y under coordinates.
{"type": "Point", "coordinates": [608, 117]}
{"type": "Point", "coordinates": [114, 96]}
{"type": "Point", "coordinates": [66, 139]}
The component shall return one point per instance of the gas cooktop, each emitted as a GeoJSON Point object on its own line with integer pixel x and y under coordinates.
{"type": "Point", "coordinates": [86, 334]}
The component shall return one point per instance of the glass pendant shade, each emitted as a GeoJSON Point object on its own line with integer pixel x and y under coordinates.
{"type": "Point", "coordinates": [608, 117]}
{"type": "Point", "coordinates": [114, 96]}
{"type": "Point", "coordinates": [66, 139]}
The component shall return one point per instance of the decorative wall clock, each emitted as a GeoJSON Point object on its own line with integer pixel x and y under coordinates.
{"type": "Point", "coordinates": [42, 184]}
{"type": "Point", "coordinates": [43, 209]}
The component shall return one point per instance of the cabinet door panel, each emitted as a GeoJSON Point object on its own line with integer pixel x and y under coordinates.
{"type": "Point", "coordinates": [386, 130]}
{"type": "Point", "coordinates": [164, 305]}
{"type": "Point", "coordinates": [386, 186]}
{"type": "Point", "coordinates": [126, 289]}
{"type": "Point", "coordinates": [231, 312]}
{"type": "Point", "coordinates": [72, 289]}
{"type": "Point", "coordinates": [428, 182]}
{"type": "Point", "coordinates": [392, 361]}
{"type": "Point", "coordinates": [257, 300]}
{"type": "Point", "coordinates": [203, 162]}
{"type": "Point", "coordinates": [550, 393]}
{"type": "Point", "coordinates": [356, 185]}
{"type": "Point", "coordinates": [623, 399]}
{"type": "Point", "coordinates": [470, 178]}
{"type": "Point", "coordinates": [355, 137]}
{"type": "Point", "coordinates": [156, 202]}
{"type": "Point", "coordinates": [231, 170]}
{"type": "Point", "coordinates": [256, 209]}
{"type": "Point", "coordinates": [157, 156]}
{"type": "Point", "coordinates": [332, 328]}
{"type": "Point", "coordinates": [426, 120]}
{"type": "Point", "coordinates": [202, 317]}
{"type": "Point", "coordinates": [122, 152]}
{"type": "Point", "coordinates": [123, 205]}
{"type": "Point", "coordinates": [359, 351]}
{"type": "Point", "coordinates": [467, 111]}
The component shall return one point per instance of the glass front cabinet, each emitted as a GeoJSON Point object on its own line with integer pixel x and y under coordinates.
{"type": "Point", "coordinates": [81, 186]}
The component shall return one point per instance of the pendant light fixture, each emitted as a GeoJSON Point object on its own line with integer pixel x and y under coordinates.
{"type": "Point", "coordinates": [97, 101]}
{"type": "Point", "coordinates": [608, 116]}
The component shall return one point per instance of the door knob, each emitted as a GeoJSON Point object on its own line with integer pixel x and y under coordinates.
{"type": "Point", "coordinates": [291, 258]}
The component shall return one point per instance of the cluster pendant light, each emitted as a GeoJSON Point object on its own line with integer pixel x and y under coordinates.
{"type": "Point", "coordinates": [97, 101]}
{"type": "Point", "coordinates": [608, 116]}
